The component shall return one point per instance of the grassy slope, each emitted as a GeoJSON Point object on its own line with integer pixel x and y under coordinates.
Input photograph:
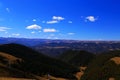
{"type": "Point", "coordinates": [103, 67]}
{"type": "Point", "coordinates": [37, 63]}
{"type": "Point", "coordinates": [78, 58]}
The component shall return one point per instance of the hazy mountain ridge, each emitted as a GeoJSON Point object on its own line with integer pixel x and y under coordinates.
{"type": "Point", "coordinates": [55, 48]}
{"type": "Point", "coordinates": [96, 47]}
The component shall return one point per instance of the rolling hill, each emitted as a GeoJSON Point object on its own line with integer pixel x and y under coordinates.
{"type": "Point", "coordinates": [105, 66]}
{"type": "Point", "coordinates": [26, 60]}
{"type": "Point", "coordinates": [78, 58]}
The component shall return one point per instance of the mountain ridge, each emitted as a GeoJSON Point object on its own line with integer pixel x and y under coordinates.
{"type": "Point", "coordinates": [37, 63]}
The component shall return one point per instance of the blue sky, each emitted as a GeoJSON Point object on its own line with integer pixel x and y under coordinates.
{"type": "Point", "coordinates": [60, 19]}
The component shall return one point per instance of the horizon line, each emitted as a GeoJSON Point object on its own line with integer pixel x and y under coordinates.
{"type": "Point", "coordinates": [59, 39]}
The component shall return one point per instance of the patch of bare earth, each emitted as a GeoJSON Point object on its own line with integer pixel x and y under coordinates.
{"type": "Point", "coordinates": [4, 78]}
{"type": "Point", "coordinates": [116, 60]}
{"type": "Point", "coordinates": [10, 58]}
{"type": "Point", "coordinates": [79, 74]}
{"type": "Point", "coordinates": [49, 77]}
{"type": "Point", "coordinates": [7, 56]}
{"type": "Point", "coordinates": [111, 78]}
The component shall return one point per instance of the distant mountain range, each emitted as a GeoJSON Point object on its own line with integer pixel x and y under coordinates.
{"type": "Point", "coordinates": [55, 48]}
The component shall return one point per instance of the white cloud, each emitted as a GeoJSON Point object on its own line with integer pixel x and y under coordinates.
{"type": "Point", "coordinates": [7, 9]}
{"type": "Point", "coordinates": [59, 18]}
{"type": "Point", "coordinates": [55, 19]}
{"type": "Point", "coordinates": [6, 32]}
{"type": "Point", "coordinates": [56, 38]}
{"type": "Point", "coordinates": [34, 26]}
{"type": "Point", "coordinates": [33, 32]}
{"type": "Point", "coordinates": [16, 34]}
{"type": "Point", "coordinates": [70, 22]}
{"type": "Point", "coordinates": [39, 31]}
{"type": "Point", "coordinates": [4, 28]}
{"type": "Point", "coordinates": [52, 22]}
{"type": "Point", "coordinates": [49, 30]}
{"type": "Point", "coordinates": [48, 37]}
{"type": "Point", "coordinates": [90, 18]}
{"type": "Point", "coordinates": [71, 33]}
{"type": "Point", "coordinates": [52, 35]}
{"type": "Point", "coordinates": [43, 21]}
{"type": "Point", "coordinates": [34, 20]}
